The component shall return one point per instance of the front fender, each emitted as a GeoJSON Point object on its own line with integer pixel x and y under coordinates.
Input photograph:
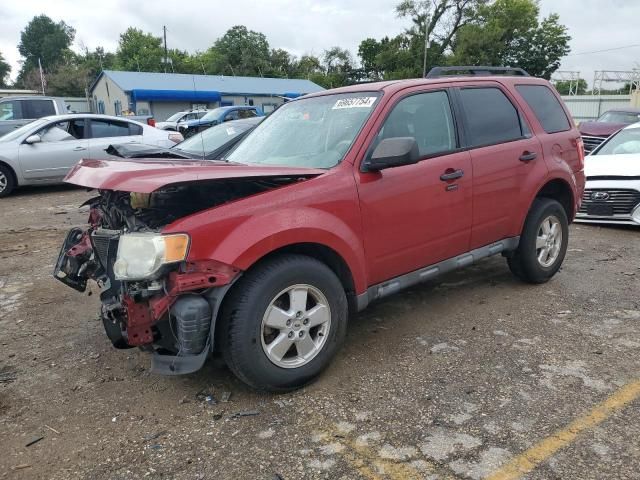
{"type": "Point", "coordinates": [258, 236]}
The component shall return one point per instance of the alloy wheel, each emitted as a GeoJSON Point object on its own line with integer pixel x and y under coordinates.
{"type": "Point", "coordinates": [295, 326]}
{"type": "Point", "coordinates": [549, 241]}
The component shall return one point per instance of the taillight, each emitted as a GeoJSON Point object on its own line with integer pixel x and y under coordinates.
{"type": "Point", "coordinates": [151, 122]}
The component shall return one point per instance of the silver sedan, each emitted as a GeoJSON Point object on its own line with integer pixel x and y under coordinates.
{"type": "Point", "coordinates": [43, 151]}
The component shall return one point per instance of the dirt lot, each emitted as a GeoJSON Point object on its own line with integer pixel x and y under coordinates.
{"type": "Point", "coordinates": [475, 376]}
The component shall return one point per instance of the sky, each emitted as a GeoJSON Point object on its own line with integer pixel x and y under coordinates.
{"type": "Point", "coordinates": [308, 26]}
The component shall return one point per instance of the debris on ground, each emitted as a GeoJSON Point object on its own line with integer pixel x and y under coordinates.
{"type": "Point", "coordinates": [33, 441]}
{"type": "Point", "coordinates": [246, 413]}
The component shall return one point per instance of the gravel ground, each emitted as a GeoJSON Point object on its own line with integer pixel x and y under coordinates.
{"type": "Point", "coordinates": [453, 379]}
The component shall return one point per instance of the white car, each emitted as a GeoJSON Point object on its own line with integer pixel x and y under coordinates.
{"type": "Point", "coordinates": [612, 192]}
{"type": "Point", "coordinates": [172, 122]}
{"type": "Point", "coordinates": [43, 151]}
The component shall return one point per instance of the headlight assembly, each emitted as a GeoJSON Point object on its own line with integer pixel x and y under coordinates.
{"type": "Point", "coordinates": [141, 255]}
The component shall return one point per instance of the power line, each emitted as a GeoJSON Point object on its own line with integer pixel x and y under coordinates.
{"type": "Point", "coordinates": [605, 50]}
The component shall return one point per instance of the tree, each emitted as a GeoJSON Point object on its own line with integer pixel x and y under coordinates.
{"type": "Point", "coordinates": [46, 40]}
{"type": "Point", "coordinates": [563, 86]}
{"type": "Point", "coordinates": [5, 69]}
{"type": "Point", "coordinates": [241, 52]}
{"type": "Point", "coordinates": [507, 32]}
{"type": "Point", "coordinates": [281, 64]}
{"type": "Point", "coordinates": [339, 67]}
{"type": "Point", "coordinates": [368, 52]}
{"type": "Point", "coordinates": [139, 51]}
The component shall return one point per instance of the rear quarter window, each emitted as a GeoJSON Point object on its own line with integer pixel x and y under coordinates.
{"type": "Point", "coordinates": [546, 107]}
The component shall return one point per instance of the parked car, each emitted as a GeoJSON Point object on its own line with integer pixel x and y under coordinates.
{"type": "Point", "coordinates": [211, 144]}
{"type": "Point", "coordinates": [596, 132]}
{"type": "Point", "coordinates": [612, 193]}
{"type": "Point", "coordinates": [43, 151]}
{"type": "Point", "coordinates": [335, 200]}
{"type": "Point", "coordinates": [174, 120]}
{"type": "Point", "coordinates": [217, 116]}
{"type": "Point", "coordinates": [18, 111]}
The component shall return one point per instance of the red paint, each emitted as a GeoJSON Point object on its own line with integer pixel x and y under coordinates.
{"type": "Point", "coordinates": [146, 176]}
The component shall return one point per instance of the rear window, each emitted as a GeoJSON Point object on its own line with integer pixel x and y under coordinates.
{"type": "Point", "coordinates": [491, 117]}
{"type": "Point", "coordinates": [546, 107]}
{"type": "Point", "coordinates": [39, 108]}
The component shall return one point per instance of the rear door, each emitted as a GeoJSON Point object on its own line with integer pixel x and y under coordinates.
{"type": "Point", "coordinates": [505, 158]}
{"type": "Point", "coordinates": [412, 215]}
{"type": "Point", "coordinates": [62, 144]}
{"type": "Point", "coordinates": [105, 132]}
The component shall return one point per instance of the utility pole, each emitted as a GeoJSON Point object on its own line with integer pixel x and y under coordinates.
{"type": "Point", "coordinates": [166, 57]}
{"type": "Point", "coordinates": [426, 42]}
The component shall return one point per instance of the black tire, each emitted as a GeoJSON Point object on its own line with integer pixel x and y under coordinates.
{"type": "Point", "coordinates": [524, 263]}
{"type": "Point", "coordinates": [7, 175]}
{"type": "Point", "coordinates": [240, 337]}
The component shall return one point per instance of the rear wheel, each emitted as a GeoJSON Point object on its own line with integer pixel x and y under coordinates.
{"type": "Point", "coordinates": [283, 322]}
{"type": "Point", "coordinates": [7, 183]}
{"type": "Point", "coordinates": [543, 243]}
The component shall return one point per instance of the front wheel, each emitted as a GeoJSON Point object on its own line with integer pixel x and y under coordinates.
{"type": "Point", "coordinates": [6, 181]}
{"type": "Point", "coordinates": [283, 322]}
{"type": "Point", "coordinates": [543, 243]}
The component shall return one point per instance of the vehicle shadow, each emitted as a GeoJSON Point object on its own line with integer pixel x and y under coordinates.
{"type": "Point", "coordinates": [35, 190]}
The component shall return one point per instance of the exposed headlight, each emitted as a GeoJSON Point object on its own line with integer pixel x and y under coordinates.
{"type": "Point", "coordinates": [635, 216]}
{"type": "Point", "coordinates": [140, 255]}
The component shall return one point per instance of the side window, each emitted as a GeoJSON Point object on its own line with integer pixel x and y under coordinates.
{"type": "Point", "coordinates": [200, 114]}
{"type": "Point", "coordinates": [491, 117]}
{"type": "Point", "coordinates": [11, 110]}
{"type": "Point", "coordinates": [108, 128]}
{"type": "Point", "coordinates": [427, 118]}
{"type": "Point", "coordinates": [232, 116]}
{"type": "Point", "coordinates": [135, 129]}
{"type": "Point", "coordinates": [63, 131]}
{"type": "Point", "coordinates": [39, 108]}
{"type": "Point", "coordinates": [546, 107]}
{"type": "Point", "coordinates": [247, 113]}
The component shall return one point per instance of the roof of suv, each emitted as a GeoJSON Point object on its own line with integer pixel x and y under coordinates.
{"type": "Point", "coordinates": [392, 86]}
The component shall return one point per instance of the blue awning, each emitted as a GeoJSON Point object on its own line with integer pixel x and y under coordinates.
{"type": "Point", "coordinates": [293, 95]}
{"type": "Point", "coordinates": [175, 95]}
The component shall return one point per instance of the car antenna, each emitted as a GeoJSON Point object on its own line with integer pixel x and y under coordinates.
{"type": "Point", "coordinates": [193, 79]}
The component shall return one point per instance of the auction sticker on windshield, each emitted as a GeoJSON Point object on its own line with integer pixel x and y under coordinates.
{"type": "Point", "coordinates": [355, 102]}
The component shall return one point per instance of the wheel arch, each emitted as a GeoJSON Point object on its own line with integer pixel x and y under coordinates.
{"type": "Point", "coordinates": [325, 254]}
{"type": "Point", "coordinates": [11, 171]}
{"type": "Point", "coordinates": [558, 189]}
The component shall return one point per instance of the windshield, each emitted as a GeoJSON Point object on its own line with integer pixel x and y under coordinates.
{"type": "Point", "coordinates": [175, 117]}
{"type": "Point", "coordinates": [619, 117]}
{"type": "Point", "coordinates": [212, 114]}
{"type": "Point", "coordinates": [18, 132]}
{"type": "Point", "coordinates": [624, 142]}
{"type": "Point", "coordinates": [213, 138]}
{"type": "Point", "coordinates": [315, 132]}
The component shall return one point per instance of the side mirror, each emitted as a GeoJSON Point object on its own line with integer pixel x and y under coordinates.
{"type": "Point", "coordinates": [393, 152]}
{"type": "Point", "coordinates": [31, 139]}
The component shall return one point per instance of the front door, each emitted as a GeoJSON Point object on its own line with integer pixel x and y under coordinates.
{"type": "Point", "coordinates": [411, 216]}
{"type": "Point", "coordinates": [62, 144]}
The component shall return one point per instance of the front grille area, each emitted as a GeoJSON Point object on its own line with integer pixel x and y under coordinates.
{"type": "Point", "coordinates": [621, 200]}
{"type": "Point", "coordinates": [590, 143]}
{"type": "Point", "coordinates": [102, 244]}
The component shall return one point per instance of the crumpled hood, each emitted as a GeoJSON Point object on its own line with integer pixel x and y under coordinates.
{"type": "Point", "coordinates": [623, 165]}
{"type": "Point", "coordinates": [146, 176]}
{"type": "Point", "coordinates": [599, 129]}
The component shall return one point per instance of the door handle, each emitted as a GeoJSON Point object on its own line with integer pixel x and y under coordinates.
{"type": "Point", "coordinates": [79, 149]}
{"type": "Point", "coordinates": [528, 156]}
{"type": "Point", "coordinates": [451, 174]}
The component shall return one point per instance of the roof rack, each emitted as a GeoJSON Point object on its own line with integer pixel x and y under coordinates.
{"type": "Point", "coordinates": [436, 72]}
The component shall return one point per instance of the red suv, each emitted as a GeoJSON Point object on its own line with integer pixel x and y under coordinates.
{"type": "Point", "coordinates": [337, 199]}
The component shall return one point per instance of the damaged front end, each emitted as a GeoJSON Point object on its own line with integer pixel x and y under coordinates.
{"type": "Point", "coordinates": [153, 296]}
